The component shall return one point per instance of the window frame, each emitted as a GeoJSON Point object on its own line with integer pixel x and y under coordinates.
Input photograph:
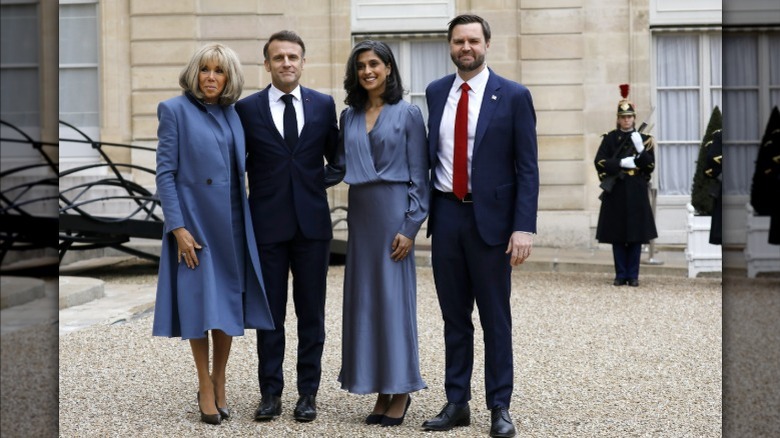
{"type": "Point", "coordinates": [705, 87]}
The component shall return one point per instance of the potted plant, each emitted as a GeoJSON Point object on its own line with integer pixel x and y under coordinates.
{"type": "Point", "coordinates": [701, 255]}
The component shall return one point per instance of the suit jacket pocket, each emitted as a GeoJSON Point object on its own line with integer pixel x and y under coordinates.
{"type": "Point", "coordinates": [505, 191]}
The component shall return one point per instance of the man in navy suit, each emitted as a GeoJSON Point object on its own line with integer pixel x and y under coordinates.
{"type": "Point", "coordinates": [482, 217]}
{"type": "Point", "coordinates": [289, 129]}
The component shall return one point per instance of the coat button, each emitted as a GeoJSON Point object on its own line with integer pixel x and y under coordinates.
{"type": "Point", "coordinates": [208, 181]}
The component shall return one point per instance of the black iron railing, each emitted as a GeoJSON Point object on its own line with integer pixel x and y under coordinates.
{"type": "Point", "coordinates": [80, 224]}
{"type": "Point", "coordinates": [23, 226]}
{"type": "Point", "coordinates": [80, 229]}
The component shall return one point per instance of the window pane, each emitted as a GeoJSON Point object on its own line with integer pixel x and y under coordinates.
{"type": "Point", "coordinates": [18, 34]}
{"type": "Point", "coordinates": [678, 133]}
{"type": "Point", "coordinates": [740, 165]}
{"type": "Point", "coordinates": [679, 115]}
{"type": "Point", "coordinates": [78, 34]}
{"type": "Point", "coordinates": [678, 111]}
{"type": "Point", "coordinates": [79, 98]}
{"type": "Point", "coordinates": [678, 60]}
{"type": "Point", "coordinates": [674, 178]}
{"type": "Point", "coordinates": [19, 88]}
{"type": "Point", "coordinates": [741, 53]}
{"type": "Point", "coordinates": [742, 124]}
{"type": "Point", "coordinates": [430, 61]}
{"type": "Point", "coordinates": [19, 82]}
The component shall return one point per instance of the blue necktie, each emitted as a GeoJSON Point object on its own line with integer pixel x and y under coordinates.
{"type": "Point", "coordinates": [290, 122]}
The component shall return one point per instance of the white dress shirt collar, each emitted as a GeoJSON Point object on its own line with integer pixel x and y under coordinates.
{"type": "Point", "coordinates": [477, 83]}
{"type": "Point", "coordinates": [275, 94]}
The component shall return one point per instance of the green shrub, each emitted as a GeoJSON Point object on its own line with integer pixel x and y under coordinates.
{"type": "Point", "coordinates": [700, 192]}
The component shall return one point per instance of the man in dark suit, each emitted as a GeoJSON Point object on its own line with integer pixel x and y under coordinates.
{"type": "Point", "coordinates": [289, 129]}
{"type": "Point", "coordinates": [485, 179]}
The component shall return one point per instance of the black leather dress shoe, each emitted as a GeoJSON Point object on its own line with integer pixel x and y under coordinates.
{"type": "Point", "coordinates": [619, 282]}
{"type": "Point", "coordinates": [633, 282]}
{"type": "Point", "coordinates": [451, 415]}
{"type": "Point", "coordinates": [270, 408]}
{"type": "Point", "coordinates": [306, 408]}
{"type": "Point", "coordinates": [501, 423]}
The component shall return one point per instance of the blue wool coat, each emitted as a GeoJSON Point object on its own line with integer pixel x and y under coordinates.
{"type": "Point", "coordinates": [193, 183]}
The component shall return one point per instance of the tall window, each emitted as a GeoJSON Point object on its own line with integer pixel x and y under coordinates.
{"type": "Point", "coordinates": [688, 85]}
{"type": "Point", "coordinates": [421, 61]}
{"type": "Point", "coordinates": [19, 76]}
{"type": "Point", "coordinates": [752, 88]}
{"type": "Point", "coordinates": [79, 91]}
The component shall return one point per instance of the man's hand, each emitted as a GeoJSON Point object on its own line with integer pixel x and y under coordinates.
{"type": "Point", "coordinates": [628, 163]}
{"type": "Point", "coordinates": [519, 247]}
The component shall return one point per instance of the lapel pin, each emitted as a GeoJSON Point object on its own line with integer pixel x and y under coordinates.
{"type": "Point", "coordinates": [493, 97]}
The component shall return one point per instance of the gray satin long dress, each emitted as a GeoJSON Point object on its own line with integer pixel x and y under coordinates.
{"type": "Point", "coordinates": [387, 170]}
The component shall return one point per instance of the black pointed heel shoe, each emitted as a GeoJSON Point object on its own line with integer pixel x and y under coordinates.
{"type": "Point", "coordinates": [208, 418]}
{"type": "Point", "coordinates": [374, 419]}
{"type": "Point", "coordinates": [224, 412]}
{"type": "Point", "coordinates": [390, 421]}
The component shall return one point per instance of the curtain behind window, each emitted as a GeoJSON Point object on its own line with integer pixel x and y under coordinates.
{"type": "Point", "coordinates": [742, 125]}
{"type": "Point", "coordinates": [678, 112]}
{"type": "Point", "coordinates": [689, 84]}
{"type": "Point", "coordinates": [421, 62]}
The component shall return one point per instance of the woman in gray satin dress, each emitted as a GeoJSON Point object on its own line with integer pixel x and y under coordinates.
{"type": "Point", "coordinates": [383, 138]}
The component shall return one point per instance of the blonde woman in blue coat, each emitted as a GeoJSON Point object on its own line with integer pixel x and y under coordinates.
{"type": "Point", "coordinates": [209, 278]}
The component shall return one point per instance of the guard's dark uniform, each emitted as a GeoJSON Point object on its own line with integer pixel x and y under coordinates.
{"type": "Point", "coordinates": [626, 217]}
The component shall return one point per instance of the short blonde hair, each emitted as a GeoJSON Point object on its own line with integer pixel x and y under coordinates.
{"type": "Point", "coordinates": [227, 60]}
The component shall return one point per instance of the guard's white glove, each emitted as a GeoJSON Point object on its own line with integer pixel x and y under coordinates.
{"type": "Point", "coordinates": [628, 163]}
{"type": "Point", "coordinates": [637, 139]}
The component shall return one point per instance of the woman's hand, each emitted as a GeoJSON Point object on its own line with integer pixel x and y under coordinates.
{"type": "Point", "coordinates": [401, 247]}
{"type": "Point", "coordinates": [187, 246]}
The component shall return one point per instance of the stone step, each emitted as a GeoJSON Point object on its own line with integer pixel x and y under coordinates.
{"type": "Point", "coordinates": [15, 291]}
{"type": "Point", "coordinates": [79, 290]}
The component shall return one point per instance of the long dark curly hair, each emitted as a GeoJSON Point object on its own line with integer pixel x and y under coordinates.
{"type": "Point", "coordinates": [357, 97]}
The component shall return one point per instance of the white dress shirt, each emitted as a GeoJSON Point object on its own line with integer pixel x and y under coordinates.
{"type": "Point", "coordinates": [443, 175]}
{"type": "Point", "coordinates": [277, 107]}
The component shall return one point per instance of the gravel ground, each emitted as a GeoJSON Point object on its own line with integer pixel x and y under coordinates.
{"type": "Point", "coordinates": [751, 374]}
{"type": "Point", "coordinates": [590, 360]}
{"type": "Point", "coordinates": [28, 371]}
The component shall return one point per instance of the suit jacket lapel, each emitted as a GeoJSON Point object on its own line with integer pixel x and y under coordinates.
{"type": "Point", "coordinates": [264, 109]}
{"type": "Point", "coordinates": [435, 112]}
{"type": "Point", "coordinates": [489, 104]}
{"type": "Point", "coordinates": [308, 113]}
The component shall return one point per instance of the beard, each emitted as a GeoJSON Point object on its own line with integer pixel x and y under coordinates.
{"type": "Point", "coordinates": [470, 66]}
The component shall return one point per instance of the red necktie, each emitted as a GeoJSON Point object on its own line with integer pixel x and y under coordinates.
{"type": "Point", "coordinates": [460, 171]}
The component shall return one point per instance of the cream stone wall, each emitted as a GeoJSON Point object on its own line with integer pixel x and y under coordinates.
{"type": "Point", "coordinates": [572, 54]}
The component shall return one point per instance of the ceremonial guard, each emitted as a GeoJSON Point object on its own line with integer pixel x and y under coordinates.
{"type": "Point", "coordinates": [624, 162]}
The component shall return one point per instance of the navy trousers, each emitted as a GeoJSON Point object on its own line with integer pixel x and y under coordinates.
{"type": "Point", "coordinates": [466, 270]}
{"type": "Point", "coordinates": [308, 261]}
{"type": "Point", "coordinates": [626, 256]}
